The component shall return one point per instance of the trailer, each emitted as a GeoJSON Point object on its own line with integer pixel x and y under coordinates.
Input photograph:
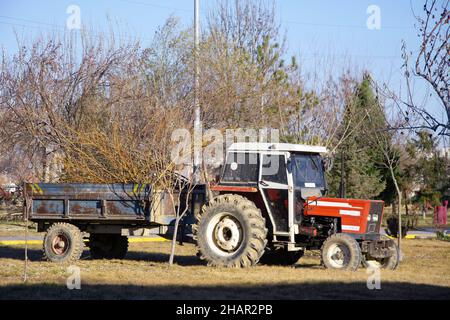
{"type": "Point", "coordinates": [105, 214]}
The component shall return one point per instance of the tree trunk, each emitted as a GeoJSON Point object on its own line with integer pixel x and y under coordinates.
{"type": "Point", "coordinates": [179, 216]}
{"type": "Point", "coordinates": [394, 206]}
{"type": "Point", "coordinates": [406, 204]}
{"type": "Point", "coordinates": [174, 240]}
{"type": "Point", "coordinates": [45, 167]}
{"type": "Point", "coordinates": [342, 182]}
{"type": "Point", "coordinates": [175, 229]}
{"type": "Point", "coordinates": [424, 212]}
{"type": "Point", "coordinates": [399, 194]}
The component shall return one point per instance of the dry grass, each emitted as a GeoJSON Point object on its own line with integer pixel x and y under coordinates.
{"type": "Point", "coordinates": [17, 229]}
{"type": "Point", "coordinates": [144, 274]}
{"type": "Point", "coordinates": [8, 213]}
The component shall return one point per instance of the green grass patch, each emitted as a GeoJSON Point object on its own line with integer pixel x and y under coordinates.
{"type": "Point", "coordinates": [442, 236]}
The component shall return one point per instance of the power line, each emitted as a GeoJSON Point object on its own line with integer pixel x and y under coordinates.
{"type": "Point", "coordinates": [355, 26]}
{"type": "Point", "coordinates": [156, 5]}
{"type": "Point", "coordinates": [51, 26]}
{"type": "Point", "coordinates": [310, 55]}
{"type": "Point", "coordinates": [304, 56]}
{"type": "Point", "coordinates": [32, 21]}
{"type": "Point", "coordinates": [63, 28]}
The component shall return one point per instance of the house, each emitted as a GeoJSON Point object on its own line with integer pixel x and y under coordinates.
{"type": "Point", "coordinates": [10, 187]}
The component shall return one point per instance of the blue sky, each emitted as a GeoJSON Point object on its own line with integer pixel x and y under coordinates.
{"type": "Point", "coordinates": [315, 29]}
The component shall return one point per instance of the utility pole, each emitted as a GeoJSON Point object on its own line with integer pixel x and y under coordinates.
{"type": "Point", "coordinates": [197, 120]}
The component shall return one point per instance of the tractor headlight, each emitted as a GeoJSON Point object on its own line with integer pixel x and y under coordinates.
{"type": "Point", "coordinates": [375, 217]}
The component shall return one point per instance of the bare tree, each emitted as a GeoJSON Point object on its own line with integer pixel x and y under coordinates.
{"type": "Point", "coordinates": [181, 195]}
{"type": "Point", "coordinates": [380, 138]}
{"type": "Point", "coordinates": [432, 64]}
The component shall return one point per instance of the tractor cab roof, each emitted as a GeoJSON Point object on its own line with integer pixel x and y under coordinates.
{"type": "Point", "coordinates": [267, 147]}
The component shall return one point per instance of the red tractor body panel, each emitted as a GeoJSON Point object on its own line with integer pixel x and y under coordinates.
{"type": "Point", "coordinates": [353, 213]}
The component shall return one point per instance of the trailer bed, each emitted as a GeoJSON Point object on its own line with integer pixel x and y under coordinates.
{"type": "Point", "coordinates": [87, 201]}
{"type": "Point", "coordinates": [103, 203]}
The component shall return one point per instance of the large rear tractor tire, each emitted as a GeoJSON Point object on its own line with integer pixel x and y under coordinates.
{"type": "Point", "coordinates": [281, 257]}
{"type": "Point", "coordinates": [341, 251]}
{"type": "Point", "coordinates": [390, 263]}
{"type": "Point", "coordinates": [63, 243]}
{"type": "Point", "coordinates": [108, 246]}
{"type": "Point", "coordinates": [230, 232]}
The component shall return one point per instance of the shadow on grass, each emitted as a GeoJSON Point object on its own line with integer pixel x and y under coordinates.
{"type": "Point", "coordinates": [18, 253]}
{"type": "Point", "coordinates": [317, 290]}
{"type": "Point", "coordinates": [182, 260]}
{"type": "Point", "coordinates": [11, 252]}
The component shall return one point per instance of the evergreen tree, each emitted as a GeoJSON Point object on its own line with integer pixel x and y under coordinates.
{"type": "Point", "coordinates": [430, 171]}
{"type": "Point", "coordinates": [356, 162]}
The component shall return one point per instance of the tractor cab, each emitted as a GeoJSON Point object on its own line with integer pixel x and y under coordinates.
{"type": "Point", "coordinates": [283, 174]}
{"type": "Point", "coordinates": [276, 166]}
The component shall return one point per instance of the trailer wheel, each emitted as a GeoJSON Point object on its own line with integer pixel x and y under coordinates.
{"type": "Point", "coordinates": [390, 263]}
{"type": "Point", "coordinates": [230, 232]}
{"type": "Point", "coordinates": [108, 246]}
{"type": "Point", "coordinates": [281, 257]}
{"type": "Point", "coordinates": [63, 242]}
{"type": "Point", "coordinates": [341, 251]}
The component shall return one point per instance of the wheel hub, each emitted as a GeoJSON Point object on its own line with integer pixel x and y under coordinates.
{"type": "Point", "coordinates": [227, 234]}
{"type": "Point", "coordinates": [338, 255]}
{"type": "Point", "coordinates": [60, 244]}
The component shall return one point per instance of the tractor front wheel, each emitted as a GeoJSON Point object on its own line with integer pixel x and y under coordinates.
{"type": "Point", "coordinates": [230, 232]}
{"type": "Point", "coordinates": [390, 262]}
{"type": "Point", "coordinates": [341, 251]}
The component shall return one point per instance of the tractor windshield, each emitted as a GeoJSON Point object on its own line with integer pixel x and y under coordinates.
{"type": "Point", "coordinates": [307, 170]}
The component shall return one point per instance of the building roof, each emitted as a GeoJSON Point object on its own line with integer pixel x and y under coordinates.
{"type": "Point", "coordinates": [290, 147]}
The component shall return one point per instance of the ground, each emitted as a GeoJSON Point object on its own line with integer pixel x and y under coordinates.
{"type": "Point", "coordinates": [423, 274]}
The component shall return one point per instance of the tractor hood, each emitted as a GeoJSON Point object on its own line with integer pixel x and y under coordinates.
{"type": "Point", "coordinates": [355, 216]}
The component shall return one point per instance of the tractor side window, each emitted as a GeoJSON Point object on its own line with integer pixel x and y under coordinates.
{"type": "Point", "coordinates": [274, 169]}
{"type": "Point", "coordinates": [241, 167]}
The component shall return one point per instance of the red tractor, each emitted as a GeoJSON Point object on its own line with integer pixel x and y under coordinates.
{"type": "Point", "coordinates": [271, 206]}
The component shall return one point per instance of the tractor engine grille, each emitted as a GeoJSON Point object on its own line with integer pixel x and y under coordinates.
{"type": "Point", "coordinates": [374, 218]}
